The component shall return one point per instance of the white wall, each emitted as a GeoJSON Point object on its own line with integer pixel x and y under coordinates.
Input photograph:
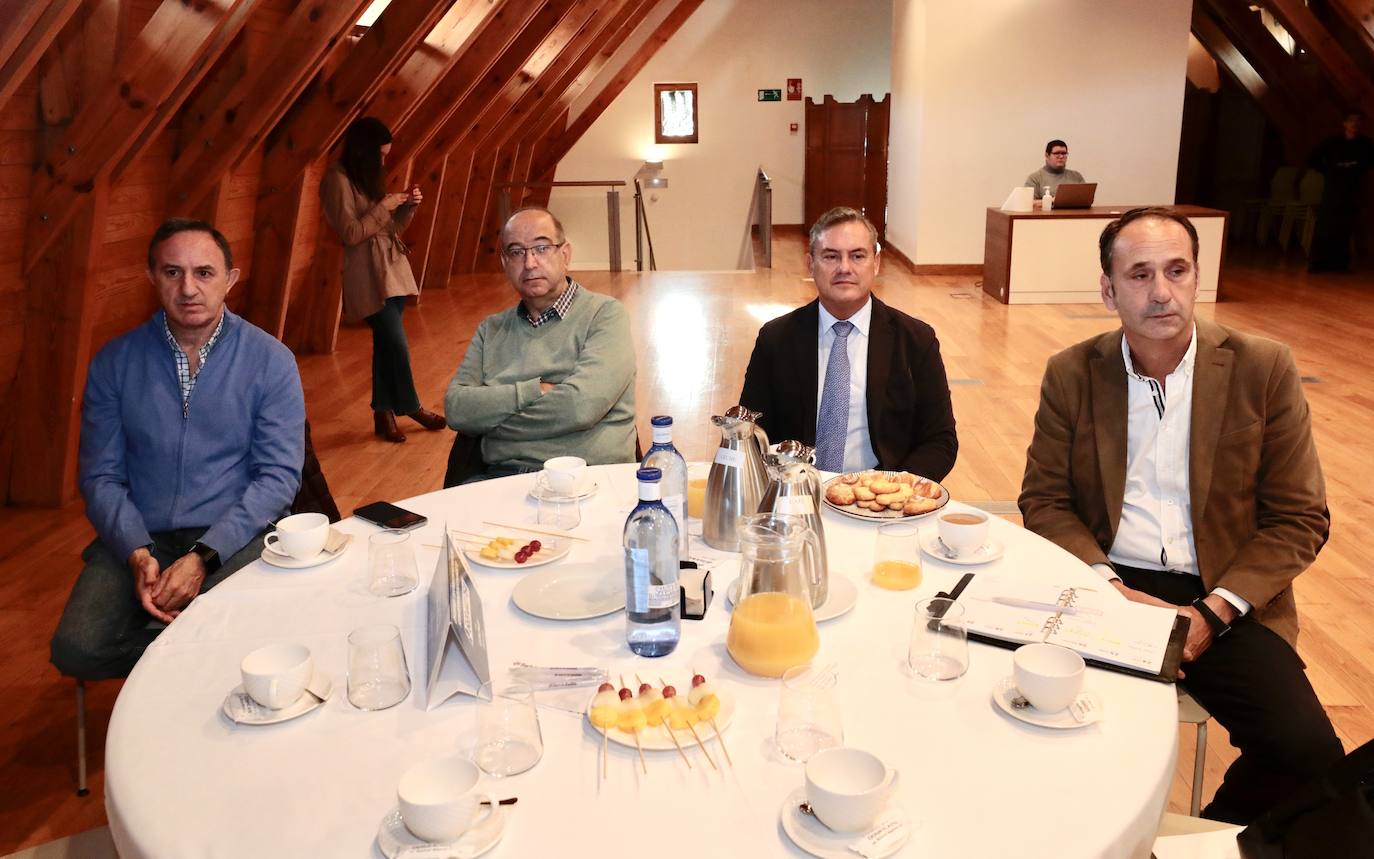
{"type": "Point", "coordinates": [731, 49]}
{"type": "Point", "coordinates": [979, 86]}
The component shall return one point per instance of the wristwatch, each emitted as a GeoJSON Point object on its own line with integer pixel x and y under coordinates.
{"type": "Point", "coordinates": [1219, 626]}
{"type": "Point", "coordinates": [210, 558]}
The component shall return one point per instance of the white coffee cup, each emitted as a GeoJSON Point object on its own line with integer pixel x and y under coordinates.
{"type": "Point", "coordinates": [1049, 676]}
{"type": "Point", "coordinates": [848, 788]}
{"type": "Point", "coordinates": [301, 536]}
{"type": "Point", "coordinates": [276, 675]}
{"type": "Point", "coordinates": [438, 799]}
{"type": "Point", "coordinates": [564, 474]}
{"type": "Point", "coordinates": [963, 531]}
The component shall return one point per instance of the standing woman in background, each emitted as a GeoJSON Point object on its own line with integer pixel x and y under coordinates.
{"type": "Point", "coordinates": [376, 273]}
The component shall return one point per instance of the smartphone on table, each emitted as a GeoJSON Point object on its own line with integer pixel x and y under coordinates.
{"type": "Point", "coordinates": [388, 515]}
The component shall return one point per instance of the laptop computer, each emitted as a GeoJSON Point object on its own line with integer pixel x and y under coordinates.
{"type": "Point", "coordinates": [1075, 195]}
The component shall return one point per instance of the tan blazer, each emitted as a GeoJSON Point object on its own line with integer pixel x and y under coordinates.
{"type": "Point", "coordinates": [1258, 499]}
{"type": "Point", "coordinates": [375, 265]}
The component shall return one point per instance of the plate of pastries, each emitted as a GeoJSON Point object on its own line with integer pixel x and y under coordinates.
{"type": "Point", "coordinates": [884, 495]}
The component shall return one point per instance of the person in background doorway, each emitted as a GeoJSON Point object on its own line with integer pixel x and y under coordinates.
{"type": "Point", "coordinates": [376, 273]}
{"type": "Point", "coordinates": [1342, 160]}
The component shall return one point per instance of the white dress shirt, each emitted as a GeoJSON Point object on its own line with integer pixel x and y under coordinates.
{"type": "Point", "coordinates": [1156, 527]}
{"type": "Point", "coordinates": [858, 449]}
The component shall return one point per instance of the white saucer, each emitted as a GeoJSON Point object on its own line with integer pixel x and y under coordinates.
{"type": "Point", "coordinates": [240, 708]}
{"type": "Point", "coordinates": [1005, 690]}
{"type": "Point", "coordinates": [841, 598]}
{"type": "Point", "coordinates": [541, 490]}
{"type": "Point", "coordinates": [932, 546]}
{"type": "Point", "coordinates": [816, 838]}
{"type": "Point", "coordinates": [394, 838]}
{"type": "Point", "coordinates": [274, 558]}
{"type": "Point", "coordinates": [564, 594]}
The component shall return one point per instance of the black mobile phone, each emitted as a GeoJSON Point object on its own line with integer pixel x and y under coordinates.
{"type": "Point", "coordinates": [388, 515]}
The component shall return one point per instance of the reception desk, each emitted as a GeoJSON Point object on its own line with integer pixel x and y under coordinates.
{"type": "Point", "coordinates": [1051, 257]}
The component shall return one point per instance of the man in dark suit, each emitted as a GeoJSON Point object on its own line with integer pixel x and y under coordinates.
{"type": "Point", "coordinates": [1175, 456]}
{"type": "Point", "coordinates": [861, 381]}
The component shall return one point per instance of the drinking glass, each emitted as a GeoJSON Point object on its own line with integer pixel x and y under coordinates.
{"type": "Point", "coordinates": [391, 563]}
{"type": "Point", "coordinates": [508, 737]}
{"type": "Point", "coordinates": [559, 511]}
{"type": "Point", "coordinates": [808, 712]}
{"type": "Point", "coordinates": [897, 556]}
{"type": "Point", "coordinates": [377, 673]}
{"type": "Point", "coordinates": [939, 641]}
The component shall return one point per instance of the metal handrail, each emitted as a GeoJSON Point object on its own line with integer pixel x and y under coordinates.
{"type": "Point", "coordinates": [612, 207]}
{"type": "Point", "coordinates": [642, 231]}
{"type": "Point", "coordinates": [763, 216]}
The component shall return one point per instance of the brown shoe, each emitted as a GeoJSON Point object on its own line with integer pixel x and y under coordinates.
{"type": "Point", "coordinates": [429, 420]}
{"type": "Point", "coordinates": [384, 425]}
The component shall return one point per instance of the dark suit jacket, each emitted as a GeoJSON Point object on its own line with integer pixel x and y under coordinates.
{"type": "Point", "coordinates": [1258, 499]}
{"type": "Point", "coordinates": [910, 418]}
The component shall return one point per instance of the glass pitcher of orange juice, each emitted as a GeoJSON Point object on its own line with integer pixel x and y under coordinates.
{"type": "Point", "coordinates": [772, 628]}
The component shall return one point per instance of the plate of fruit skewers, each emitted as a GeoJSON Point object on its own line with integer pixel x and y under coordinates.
{"type": "Point", "coordinates": [658, 718]}
{"type": "Point", "coordinates": [509, 553]}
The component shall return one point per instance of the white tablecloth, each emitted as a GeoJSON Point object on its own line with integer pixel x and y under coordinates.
{"type": "Point", "coordinates": [182, 781]}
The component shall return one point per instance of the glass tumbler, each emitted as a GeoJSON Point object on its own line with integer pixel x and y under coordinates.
{"type": "Point", "coordinates": [378, 676]}
{"type": "Point", "coordinates": [508, 736]}
{"type": "Point", "coordinates": [391, 563]}
{"type": "Point", "coordinates": [559, 511]}
{"type": "Point", "coordinates": [808, 712]}
{"type": "Point", "coordinates": [939, 641]}
{"type": "Point", "coordinates": [897, 556]}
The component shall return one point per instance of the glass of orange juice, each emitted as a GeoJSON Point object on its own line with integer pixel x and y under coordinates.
{"type": "Point", "coordinates": [897, 556]}
{"type": "Point", "coordinates": [696, 497]}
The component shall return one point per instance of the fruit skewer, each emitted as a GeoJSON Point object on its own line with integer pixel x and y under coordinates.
{"type": "Point", "coordinates": [707, 704]}
{"type": "Point", "coordinates": [671, 692]}
{"type": "Point", "coordinates": [632, 719]}
{"type": "Point", "coordinates": [658, 707]}
{"type": "Point", "coordinates": [604, 715]}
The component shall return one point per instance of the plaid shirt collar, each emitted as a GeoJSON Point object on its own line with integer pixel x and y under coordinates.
{"type": "Point", "coordinates": [184, 375]}
{"type": "Point", "coordinates": [559, 310]}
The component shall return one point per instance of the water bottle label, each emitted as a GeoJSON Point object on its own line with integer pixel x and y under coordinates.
{"type": "Point", "coordinates": [800, 505]}
{"type": "Point", "coordinates": [729, 457]}
{"type": "Point", "coordinates": [663, 596]}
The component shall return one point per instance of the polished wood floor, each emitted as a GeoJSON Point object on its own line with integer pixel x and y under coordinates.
{"type": "Point", "coordinates": [693, 333]}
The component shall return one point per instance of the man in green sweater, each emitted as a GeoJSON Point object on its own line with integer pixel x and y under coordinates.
{"type": "Point", "coordinates": [555, 374]}
{"type": "Point", "coordinates": [1056, 170]}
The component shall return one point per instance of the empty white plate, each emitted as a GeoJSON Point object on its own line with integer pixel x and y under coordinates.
{"type": "Point", "coordinates": [569, 594]}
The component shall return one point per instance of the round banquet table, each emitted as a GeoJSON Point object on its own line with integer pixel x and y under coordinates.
{"type": "Point", "coordinates": [183, 781]}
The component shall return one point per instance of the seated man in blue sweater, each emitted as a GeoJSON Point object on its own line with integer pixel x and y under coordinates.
{"type": "Point", "coordinates": [192, 439]}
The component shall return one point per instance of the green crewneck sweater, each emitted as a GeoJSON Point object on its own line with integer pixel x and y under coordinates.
{"type": "Point", "coordinates": [588, 357]}
{"type": "Point", "coordinates": [1045, 176]}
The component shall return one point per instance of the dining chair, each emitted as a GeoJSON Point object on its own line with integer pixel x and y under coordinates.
{"type": "Point", "coordinates": [1190, 711]}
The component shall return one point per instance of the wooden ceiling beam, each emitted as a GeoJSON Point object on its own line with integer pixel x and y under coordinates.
{"type": "Point", "coordinates": [1353, 86]}
{"type": "Point", "coordinates": [253, 105]}
{"type": "Point", "coordinates": [1359, 14]}
{"type": "Point", "coordinates": [179, 41]}
{"type": "Point", "coordinates": [633, 65]}
{"type": "Point", "coordinates": [27, 28]}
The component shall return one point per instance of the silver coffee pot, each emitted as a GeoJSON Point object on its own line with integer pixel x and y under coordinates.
{"type": "Point", "coordinates": [794, 487]}
{"type": "Point", "coordinates": [735, 485]}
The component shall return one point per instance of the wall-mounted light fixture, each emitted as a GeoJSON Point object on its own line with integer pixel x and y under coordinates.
{"type": "Point", "coordinates": [651, 174]}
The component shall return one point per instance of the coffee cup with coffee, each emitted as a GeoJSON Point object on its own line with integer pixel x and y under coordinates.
{"type": "Point", "coordinates": [439, 800]}
{"type": "Point", "coordinates": [963, 532]}
{"type": "Point", "coordinates": [302, 536]}
{"type": "Point", "coordinates": [564, 474]}
{"type": "Point", "coordinates": [1049, 676]}
{"type": "Point", "coordinates": [276, 676]}
{"type": "Point", "coordinates": [848, 788]}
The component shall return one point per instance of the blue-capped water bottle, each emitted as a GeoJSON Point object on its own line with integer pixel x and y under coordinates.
{"type": "Point", "coordinates": [673, 487]}
{"type": "Point", "coordinates": [652, 625]}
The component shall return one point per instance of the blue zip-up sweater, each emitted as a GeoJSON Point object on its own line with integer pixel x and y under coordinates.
{"type": "Point", "coordinates": [230, 462]}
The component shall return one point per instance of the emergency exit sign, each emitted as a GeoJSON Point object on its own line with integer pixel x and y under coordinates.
{"type": "Point", "coordinates": [770, 95]}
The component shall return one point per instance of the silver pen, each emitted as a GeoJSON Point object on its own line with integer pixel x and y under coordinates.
{"type": "Point", "coordinates": [1046, 606]}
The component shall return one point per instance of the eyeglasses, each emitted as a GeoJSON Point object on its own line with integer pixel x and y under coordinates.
{"type": "Point", "coordinates": [515, 253]}
{"type": "Point", "coordinates": [1058, 153]}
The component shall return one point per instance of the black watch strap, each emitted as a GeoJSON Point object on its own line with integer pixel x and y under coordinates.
{"type": "Point", "coordinates": [1219, 626]}
{"type": "Point", "coordinates": [208, 556]}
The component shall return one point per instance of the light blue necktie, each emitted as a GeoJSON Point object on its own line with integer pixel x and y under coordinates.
{"type": "Point", "coordinates": [832, 423]}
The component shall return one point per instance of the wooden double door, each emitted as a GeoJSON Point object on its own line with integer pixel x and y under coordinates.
{"type": "Point", "coordinates": [846, 158]}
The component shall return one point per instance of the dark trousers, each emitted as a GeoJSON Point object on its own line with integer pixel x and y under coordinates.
{"type": "Point", "coordinates": [393, 388]}
{"type": "Point", "coordinates": [104, 628]}
{"type": "Point", "coordinates": [1253, 683]}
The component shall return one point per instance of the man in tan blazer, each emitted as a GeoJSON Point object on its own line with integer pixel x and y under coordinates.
{"type": "Point", "coordinates": [1175, 456]}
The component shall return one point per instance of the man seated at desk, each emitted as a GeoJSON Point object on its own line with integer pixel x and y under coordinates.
{"type": "Point", "coordinates": [555, 374]}
{"type": "Point", "coordinates": [1055, 171]}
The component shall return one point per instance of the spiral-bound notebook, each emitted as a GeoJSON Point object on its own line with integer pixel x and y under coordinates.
{"type": "Point", "coordinates": [1104, 629]}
